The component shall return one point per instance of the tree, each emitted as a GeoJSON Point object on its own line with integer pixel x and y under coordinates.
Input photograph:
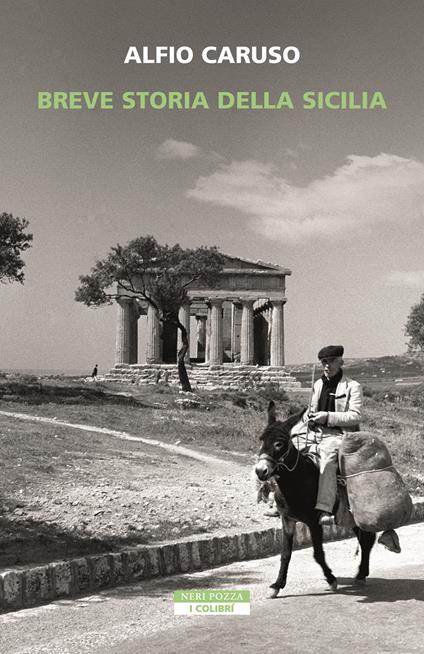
{"type": "Point", "coordinates": [157, 274]}
{"type": "Point", "coordinates": [14, 240]}
{"type": "Point", "coordinates": [414, 327]}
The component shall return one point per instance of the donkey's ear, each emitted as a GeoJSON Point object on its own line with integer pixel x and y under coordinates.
{"type": "Point", "coordinates": [292, 420]}
{"type": "Point", "coordinates": [272, 417]}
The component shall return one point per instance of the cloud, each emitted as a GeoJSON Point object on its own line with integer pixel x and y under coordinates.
{"type": "Point", "coordinates": [361, 195]}
{"type": "Point", "coordinates": [172, 149]}
{"type": "Point", "coordinates": [294, 153]}
{"type": "Point", "coordinates": [289, 152]}
{"type": "Point", "coordinates": [411, 278]}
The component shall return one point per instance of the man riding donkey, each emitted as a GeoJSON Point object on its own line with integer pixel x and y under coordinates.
{"type": "Point", "coordinates": [336, 403]}
{"type": "Point", "coordinates": [335, 410]}
{"type": "Point", "coordinates": [335, 407]}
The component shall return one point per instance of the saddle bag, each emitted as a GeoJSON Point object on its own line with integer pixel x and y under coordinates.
{"type": "Point", "coordinates": [377, 495]}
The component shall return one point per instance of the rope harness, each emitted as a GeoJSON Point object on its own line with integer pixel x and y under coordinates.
{"type": "Point", "coordinates": [279, 463]}
{"type": "Point", "coordinates": [310, 404]}
{"type": "Point", "coordinates": [364, 472]}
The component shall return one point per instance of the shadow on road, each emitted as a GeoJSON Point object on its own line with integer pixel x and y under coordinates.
{"type": "Point", "coordinates": [165, 585]}
{"type": "Point", "coordinates": [387, 590]}
{"type": "Point", "coordinates": [376, 590]}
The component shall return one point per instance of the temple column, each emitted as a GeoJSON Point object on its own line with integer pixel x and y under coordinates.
{"type": "Point", "coordinates": [235, 332]}
{"type": "Point", "coordinates": [134, 316]}
{"type": "Point", "coordinates": [277, 333]}
{"type": "Point", "coordinates": [216, 354]}
{"type": "Point", "coordinates": [123, 331]}
{"type": "Point", "coordinates": [201, 336]}
{"type": "Point", "coordinates": [153, 354]}
{"type": "Point", "coordinates": [208, 335]}
{"type": "Point", "coordinates": [268, 337]}
{"type": "Point", "coordinates": [247, 347]}
{"type": "Point", "coordinates": [184, 318]}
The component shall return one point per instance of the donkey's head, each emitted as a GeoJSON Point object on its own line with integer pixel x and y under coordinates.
{"type": "Point", "coordinates": [275, 442]}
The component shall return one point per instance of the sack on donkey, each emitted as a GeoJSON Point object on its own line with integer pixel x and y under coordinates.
{"type": "Point", "coordinates": [377, 495]}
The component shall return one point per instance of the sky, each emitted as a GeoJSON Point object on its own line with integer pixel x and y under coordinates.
{"type": "Point", "coordinates": [336, 196]}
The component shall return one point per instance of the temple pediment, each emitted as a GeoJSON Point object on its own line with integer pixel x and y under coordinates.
{"type": "Point", "coordinates": [238, 263]}
{"type": "Point", "coordinates": [244, 279]}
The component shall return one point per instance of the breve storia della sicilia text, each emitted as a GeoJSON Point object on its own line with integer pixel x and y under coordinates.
{"type": "Point", "coordinates": [225, 100]}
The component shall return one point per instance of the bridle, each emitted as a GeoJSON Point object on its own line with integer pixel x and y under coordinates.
{"type": "Point", "coordinates": [280, 462]}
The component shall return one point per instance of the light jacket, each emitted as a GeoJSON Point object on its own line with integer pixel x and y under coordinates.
{"type": "Point", "coordinates": [348, 404]}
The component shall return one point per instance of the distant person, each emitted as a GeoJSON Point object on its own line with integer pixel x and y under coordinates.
{"type": "Point", "coordinates": [94, 373]}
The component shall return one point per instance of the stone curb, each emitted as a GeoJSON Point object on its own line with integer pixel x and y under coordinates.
{"type": "Point", "coordinates": [32, 586]}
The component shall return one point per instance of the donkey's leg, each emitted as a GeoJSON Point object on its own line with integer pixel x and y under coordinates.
{"type": "Point", "coordinates": [288, 527]}
{"type": "Point", "coordinates": [319, 556]}
{"type": "Point", "coordinates": [366, 541]}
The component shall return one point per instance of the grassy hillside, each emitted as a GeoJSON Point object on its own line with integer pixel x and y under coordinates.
{"type": "Point", "coordinates": [377, 370]}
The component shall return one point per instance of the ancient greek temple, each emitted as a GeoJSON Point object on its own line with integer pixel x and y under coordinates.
{"type": "Point", "coordinates": [240, 320]}
{"type": "Point", "coordinates": [237, 323]}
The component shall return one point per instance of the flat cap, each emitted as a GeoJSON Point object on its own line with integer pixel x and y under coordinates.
{"type": "Point", "coordinates": [330, 351]}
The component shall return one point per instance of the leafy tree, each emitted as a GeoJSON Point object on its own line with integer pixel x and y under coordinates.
{"type": "Point", "coordinates": [14, 240]}
{"type": "Point", "coordinates": [157, 274]}
{"type": "Point", "coordinates": [414, 327]}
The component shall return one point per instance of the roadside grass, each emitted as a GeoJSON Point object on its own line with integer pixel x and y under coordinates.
{"type": "Point", "coordinates": [221, 422]}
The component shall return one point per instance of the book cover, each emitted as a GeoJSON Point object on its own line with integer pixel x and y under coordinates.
{"type": "Point", "coordinates": [288, 133]}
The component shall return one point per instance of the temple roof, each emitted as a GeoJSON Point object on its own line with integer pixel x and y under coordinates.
{"type": "Point", "coordinates": [232, 263]}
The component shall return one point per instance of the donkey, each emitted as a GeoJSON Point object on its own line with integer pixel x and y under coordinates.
{"type": "Point", "coordinates": [296, 477]}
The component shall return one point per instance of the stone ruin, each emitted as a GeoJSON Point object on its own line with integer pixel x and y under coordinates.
{"type": "Point", "coordinates": [235, 330]}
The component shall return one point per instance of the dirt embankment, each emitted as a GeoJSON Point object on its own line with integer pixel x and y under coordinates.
{"type": "Point", "coordinates": [74, 492]}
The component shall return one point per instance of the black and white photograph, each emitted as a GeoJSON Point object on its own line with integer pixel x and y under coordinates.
{"type": "Point", "coordinates": [211, 326]}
